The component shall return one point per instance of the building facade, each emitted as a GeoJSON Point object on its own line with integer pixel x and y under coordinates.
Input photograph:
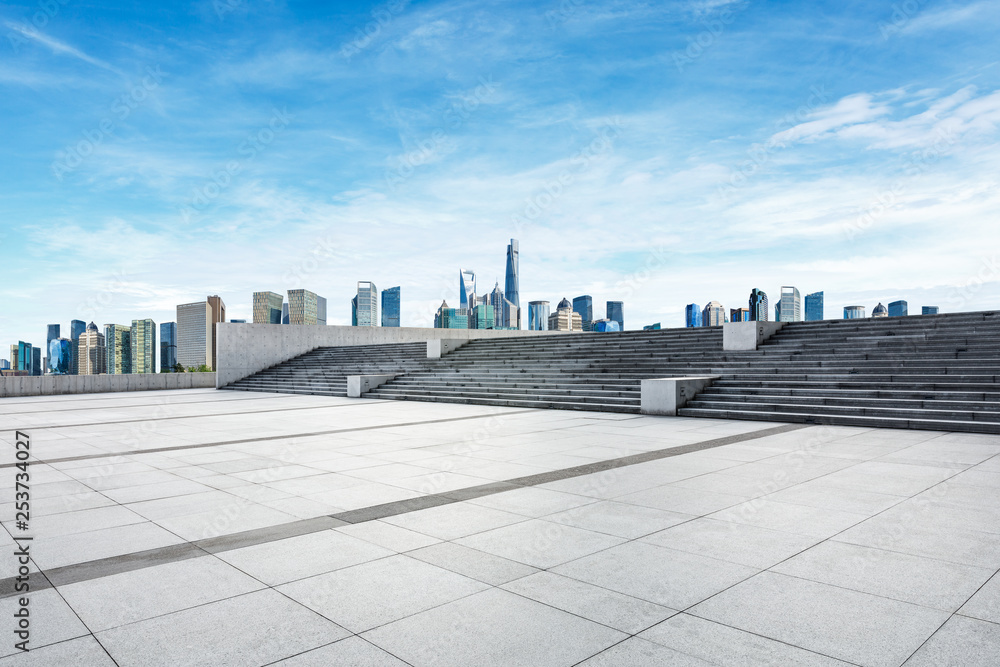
{"type": "Point", "coordinates": [60, 356]}
{"type": "Point", "coordinates": [605, 325]}
{"type": "Point", "coordinates": [929, 310]}
{"type": "Point", "coordinates": [814, 307]}
{"type": "Point", "coordinates": [466, 288]}
{"type": "Point", "coordinates": [854, 312]}
{"type": "Point", "coordinates": [790, 306]}
{"type": "Point", "coordinates": [616, 312]}
{"type": "Point", "coordinates": [76, 329]}
{"type": "Point", "coordinates": [196, 335]}
{"type": "Point", "coordinates": [366, 310]}
{"type": "Point", "coordinates": [880, 311]}
{"type": "Point", "coordinates": [692, 315]}
{"type": "Point", "coordinates": [511, 285]}
{"type": "Point", "coordinates": [390, 307]}
{"type": "Point", "coordinates": [168, 347]}
{"type": "Point", "coordinates": [118, 343]}
{"type": "Point", "coordinates": [759, 311]}
{"type": "Point", "coordinates": [538, 316]}
{"type": "Point", "coordinates": [482, 317]}
{"type": "Point", "coordinates": [739, 315]}
{"type": "Point", "coordinates": [143, 346]}
{"type": "Point", "coordinates": [92, 355]}
{"type": "Point", "coordinates": [565, 318]}
{"type": "Point", "coordinates": [898, 309]}
{"type": "Point", "coordinates": [303, 307]}
{"type": "Point", "coordinates": [585, 306]}
{"type": "Point", "coordinates": [267, 307]}
{"type": "Point", "coordinates": [451, 318]}
{"type": "Point", "coordinates": [713, 315]}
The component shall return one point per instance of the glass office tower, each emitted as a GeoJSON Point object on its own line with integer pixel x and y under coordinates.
{"type": "Point", "coordinates": [814, 307]}
{"type": "Point", "coordinates": [898, 309]}
{"type": "Point", "coordinates": [854, 312]}
{"type": "Point", "coordinates": [511, 289]}
{"type": "Point", "coordinates": [585, 306]}
{"type": "Point", "coordinates": [692, 315]}
{"type": "Point", "coordinates": [303, 307]}
{"type": "Point", "coordinates": [466, 288]}
{"type": "Point", "coordinates": [367, 304]}
{"type": "Point", "coordinates": [758, 306]}
{"type": "Point", "coordinates": [267, 307]}
{"type": "Point", "coordinates": [143, 346]}
{"type": "Point", "coordinates": [118, 341]}
{"type": "Point", "coordinates": [60, 355]}
{"type": "Point", "coordinates": [168, 346]}
{"type": "Point", "coordinates": [929, 310]}
{"type": "Point", "coordinates": [616, 312]}
{"type": "Point", "coordinates": [790, 306]}
{"type": "Point", "coordinates": [390, 307]}
{"type": "Point", "coordinates": [538, 316]}
{"type": "Point", "coordinates": [714, 315]}
{"type": "Point", "coordinates": [76, 329]}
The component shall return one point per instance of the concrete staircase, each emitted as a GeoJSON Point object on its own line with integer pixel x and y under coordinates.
{"type": "Point", "coordinates": [932, 372]}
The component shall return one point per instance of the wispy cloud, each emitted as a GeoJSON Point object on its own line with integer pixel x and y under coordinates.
{"type": "Point", "coordinates": [59, 47]}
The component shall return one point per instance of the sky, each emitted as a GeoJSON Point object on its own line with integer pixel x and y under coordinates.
{"type": "Point", "coordinates": [657, 153]}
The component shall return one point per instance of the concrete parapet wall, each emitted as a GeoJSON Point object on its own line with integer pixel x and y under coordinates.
{"type": "Point", "coordinates": [46, 385]}
{"type": "Point", "coordinates": [244, 349]}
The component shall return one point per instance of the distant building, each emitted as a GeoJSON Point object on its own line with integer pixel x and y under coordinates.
{"type": "Point", "coordinates": [284, 313]}
{"type": "Point", "coordinates": [267, 307]}
{"type": "Point", "coordinates": [76, 329]}
{"type": "Point", "coordinates": [466, 288]}
{"type": "Point", "coordinates": [196, 337]}
{"type": "Point", "coordinates": [692, 315]}
{"type": "Point", "coordinates": [585, 306]}
{"type": "Point", "coordinates": [506, 314]}
{"type": "Point", "coordinates": [92, 356]}
{"type": "Point", "coordinates": [880, 311]}
{"type": "Point", "coordinates": [237, 321]}
{"type": "Point", "coordinates": [616, 312]}
{"type": "Point", "coordinates": [53, 333]}
{"type": "Point", "coordinates": [606, 325]}
{"type": "Point", "coordinates": [321, 310]}
{"type": "Point", "coordinates": [143, 346]}
{"type": "Point", "coordinates": [898, 308]}
{"type": "Point", "coordinates": [365, 305]}
{"type": "Point", "coordinates": [36, 361]}
{"type": "Point", "coordinates": [168, 346]}
{"type": "Point", "coordinates": [814, 307]}
{"type": "Point", "coordinates": [565, 318]}
{"type": "Point", "coordinates": [118, 344]}
{"type": "Point", "coordinates": [651, 327]}
{"type": "Point", "coordinates": [929, 310]}
{"type": "Point", "coordinates": [481, 317]}
{"type": "Point", "coordinates": [511, 286]}
{"type": "Point", "coordinates": [854, 312]}
{"type": "Point", "coordinates": [538, 316]}
{"type": "Point", "coordinates": [758, 306]}
{"type": "Point", "coordinates": [451, 318]}
{"type": "Point", "coordinates": [790, 305]}
{"type": "Point", "coordinates": [390, 307]}
{"type": "Point", "coordinates": [739, 315]}
{"type": "Point", "coordinates": [4, 365]}
{"type": "Point", "coordinates": [304, 307]}
{"type": "Point", "coordinates": [713, 315]}
{"type": "Point", "coordinates": [60, 356]}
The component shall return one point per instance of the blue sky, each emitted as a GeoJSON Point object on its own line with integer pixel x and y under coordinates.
{"type": "Point", "coordinates": [659, 153]}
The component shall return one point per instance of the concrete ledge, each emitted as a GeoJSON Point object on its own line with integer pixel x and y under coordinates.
{"type": "Point", "coordinates": [48, 385]}
{"type": "Point", "coordinates": [359, 384]}
{"type": "Point", "coordinates": [740, 336]}
{"type": "Point", "coordinates": [665, 396]}
{"type": "Point", "coordinates": [442, 346]}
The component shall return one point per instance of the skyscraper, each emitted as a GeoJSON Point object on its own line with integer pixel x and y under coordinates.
{"type": "Point", "coordinates": [466, 288]}
{"type": "Point", "coordinates": [616, 312]}
{"type": "Point", "coordinates": [814, 307]}
{"type": "Point", "coordinates": [267, 307]}
{"type": "Point", "coordinates": [118, 343]}
{"type": "Point", "coordinates": [354, 310]}
{"type": "Point", "coordinates": [482, 317]}
{"type": "Point", "coordinates": [565, 318]}
{"type": "Point", "coordinates": [758, 306]}
{"type": "Point", "coordinates": [739, 314]}
{"type": "Point", "coordinates": [91, 354]}
{"type": "Point", "coordinates": [76, 329]}
{"type": "Point", "coordinates": [585, 306]}
{"type": "Point", "coordinates": [854, 312]}
{"type": "Point", "coordinates": [898, 309]}
{"type": "Point", "coordinates": [714, 315]}
{"type": "Point", "coordinates": [321, 310]}
{"type": "Point", "coordinates": [791, 305]}
{"type": "Point", "coordinates": [451, 318]}
{"type": "Point", "coordinates": [506, 315]}
{"type": "Point", "coordinates": [284, 313]}
{"type": "Point", "coordinates": [196, 337]}
{"type": "Point", "coordinates": [143, 346]}
{"type": "Point", "coordinates": [303, 307]}
{"type": "Point", "coordinates": [511, 289]}
{"type": "Point", "coordinates": [929, 310]}
{"type": "Point", "coordinates": [60, 355]}
{"type": "Point", "coordinates": [692, 315]}
{"type": "Point", "coordinates": [880, 311]}
{"type": "Point", "coordinates": [168, 346]}
{"type": "Point", "coordinates": [538, 316]}
{"type": "Point", "coordinates": [606, 325]}
{"type": "Point", "coordinates": [390, 307]}
{"type": "Point", "coordinates": [36, 360]}
{"type": "Point", "coordinates": [53, 333]}
{"type": "Point", "coordinates": [367, 304]}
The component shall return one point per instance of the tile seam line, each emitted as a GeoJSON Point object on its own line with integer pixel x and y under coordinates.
{"type": "Point", "coordinates": [174, 448]}
{"type": "Point", "coordinates": [135, 561]}
{"type": "Point", "coordinates": [137, 405]}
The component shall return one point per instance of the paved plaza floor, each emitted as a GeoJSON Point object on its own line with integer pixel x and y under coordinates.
{"type": "Point", "coordinates": [206, 527]}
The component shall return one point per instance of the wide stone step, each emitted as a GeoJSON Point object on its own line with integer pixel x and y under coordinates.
{"type": "Point", "coordinates": [513, 403]}
{"type": "Point", "coordinates": [843, 420]}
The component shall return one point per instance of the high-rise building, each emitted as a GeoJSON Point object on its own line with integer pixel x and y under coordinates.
{"type": "Point", "coordinates": [606, 325]}
{"type": "Point", "coordinates": [616, 312]}
{"type": "Point", "coordinates": [506, 314]}
{"type": "Point", "coordinates": [143, 346]}
{"type": "Point", "coordinates": [451, 318]}
{"type": "Point", "coordinates": [4, 365]}
{"type": "Point", "coordinates": [466, 288]}
{"type": "Point", "coordinates": [739, 315]}
{"type": "Point", "coordinates": [898, 308]}
{"type": "Point", "coordinates": [367, 304]}
{"type": "Point", "coordinates": [777, 312]}
{"type": "Point", "coordinates": [284, 313]}
{"type": "Point", "coordinates": [36, 361]}
{"type": "Point", "coordinates": [880, 311]}
{"type": "Point", "coordinates": [168, 346]}
{"type": "Point", "coordinates": [585, 306]}
{"type": "Point", "coordinates": [511, 286]}
{"type": "Point", "coordinates": [196, 336]}
{"type": "Point", "coordinates": [390, 307]}
{"type": "Point", "coordinates": [53, 333]}
{"type": "Point", "coordinates": [692, 315]}
{"type": "Point", "coordinates": [76, 329]}
{"type": "Point", "coordinates": [237, 321]}
{"type": "Point", "coordinates": [354, 310]}
{"type": "Point", "coordinates": [814, 307]}
{"type": "Point", "coordinates": [538, 316]}
{"type": "Point", "coordinates": [854, 312]}
{"type": "Point", "coordinates": [60, 355]}
{"type": "Point", "coordinates": [790, 306]}
{"type": "Point", "coordinates": [758, 306]}
{"type": "Point", "coordinates": [15, 352]}
{"type": "Point", "coordinates": [929, 310]}
{"type": "Point", "coordinates": [321, 310]}
{"type": "Point", "coordinates": [92, 357]}
{"type": "Point", "coordinates": [565, 318]}
{"type": "Point", "coordinates": [24, 359]}
{"type": "Point", "coordinates": [481, 317]}
{"type": "Point", "coordinates": [267, 307]}
{"type": "Point", "coordinates": [713, 315]}
{"type": "Point", "coordinates": [303, 307]}
{"type": "Point", "coordinates": [651, 327]}
{"type": "Point", "coordinates": [118, 343]}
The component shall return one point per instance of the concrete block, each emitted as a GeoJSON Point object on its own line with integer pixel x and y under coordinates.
{"type": "Point", "coordinates": [439, 347]}
{"type": "Point", "coordinates": [665, 396]}
{"type": "Point", "coordinates": [359, 384]}
{"type": "Point", "coordinates": [740, 336]}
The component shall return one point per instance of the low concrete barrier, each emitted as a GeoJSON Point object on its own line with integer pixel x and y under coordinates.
{"type": "Point", "coordinates": [739, 336]}
{"type": "Point", "coordinates": [665, 396]}
{"type": "Point", "coordinates": [442, 346]}
{"type": "Point", "coordinates": [359, 384]}
{"type": "Point", "coordinates": [46, 385]}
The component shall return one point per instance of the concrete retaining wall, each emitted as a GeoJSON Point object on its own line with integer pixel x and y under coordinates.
{"type": "Point", "coordinates": [94, 384]}
{"type": "Point", "coordinates": [244, 349]}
